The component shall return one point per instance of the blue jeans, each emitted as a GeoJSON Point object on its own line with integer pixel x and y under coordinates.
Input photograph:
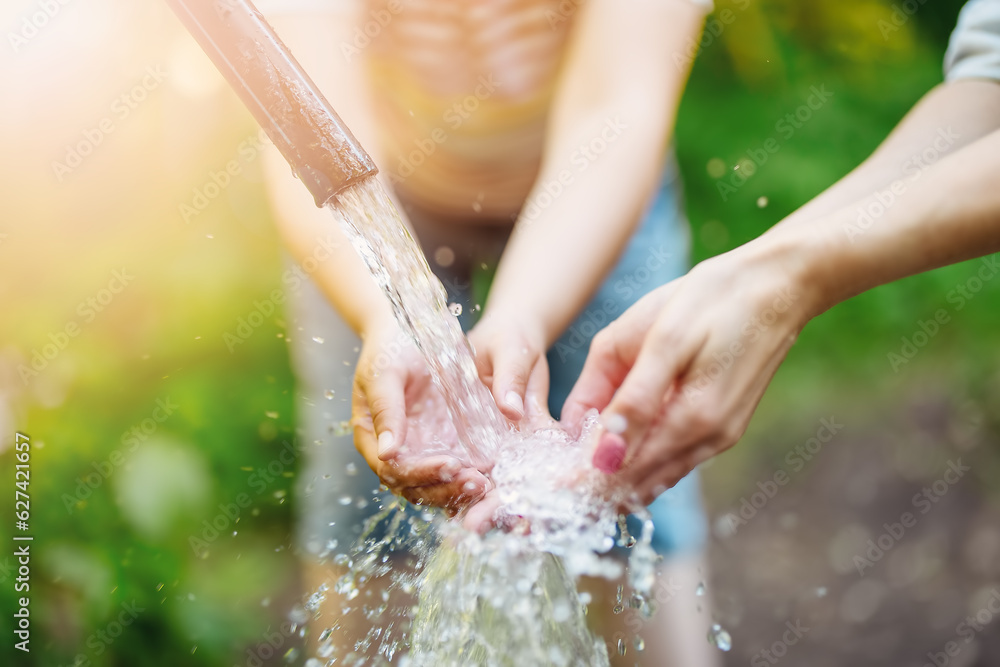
{"type": "Point", "coordinates": [656, 254]}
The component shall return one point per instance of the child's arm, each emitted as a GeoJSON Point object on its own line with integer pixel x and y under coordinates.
{"type": "Point", "coordinates": [616, 102]}
{"type": "Point", "coordinates": [314, 240]}
{"type": "Point", "coordinates": [687, 365]}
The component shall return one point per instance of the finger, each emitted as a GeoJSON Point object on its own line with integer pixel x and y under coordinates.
{"type": "Point", "coordinates": [609, 453]}
{"type": "Point", "coordinates": [424, 471]}
{"type": "Point", "coordinates": [512, 368]}
{"type": "Point", "coordinates": [386, 398]}
{"type": "Point", "coordinates": [536, 396]}
{"type": "Point", "coordinates": [468, 487]}
{"type": "Point", "coordinates": [479, 518]}
{"type": "Point", "coordinates": [612, 353]}
{"type": "Point", "coordinates": [636, 405]}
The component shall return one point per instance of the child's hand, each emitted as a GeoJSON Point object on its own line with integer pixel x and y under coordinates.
{"type": "Point", "coordinates": [403, 429]}
{"type": "Point", "coordinates": [510, 358]}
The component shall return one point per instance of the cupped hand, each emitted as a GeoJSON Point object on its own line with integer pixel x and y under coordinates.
{"type": "Point", "coordinates": [510, 350]}
{"type": "Point", "coordinates": [403, 429]}
{"type": "Point", "coordinates": [678, 376]}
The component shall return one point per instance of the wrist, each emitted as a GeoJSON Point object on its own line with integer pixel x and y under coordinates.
{"type": "Point", "coordinates": [518, 318]}
{"type": "Point", "coordinates": [788, 263]}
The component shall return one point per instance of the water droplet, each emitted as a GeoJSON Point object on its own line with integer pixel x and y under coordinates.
{"type": "Point", "coordinates": [271, 414]}
{"type": "Point", "coordinates": [345, 500]}
{"type": "Point", "coordinates": [620, 595]}
{"type": "Point", "coordinates": [329, 394]}
{"type": "Point", "coordinates": [318, 339]}
{"type": "Point", "coordinates": [477, 207]}
{"type": "Point", "coordinates": [455, 308]}
{"type": "Point", "coordinates": [618, 609]}
{"type": "Point", "coordinates": [342, 428]}
{"type": "Point", "coordinates": [639, 644]}
{"type": "Point", "coordinates": [159, 587]}
{"type": "Point", "coordinates": [621, 646]}
{"type": "Point", "coordinates": [821, 592]}
{"type": "Point", "coordinates": [719, 638]}
{"type": "Point", "coordinates": [351, 469]}
{"type": "Point", "coordinates": [761, 202]}
{"type": "Point", "coordinates": [444, 256]}
{"type": "Point", "coordinates": [700, 591]}
{"type": "Point", "coordinates": [291, 654]}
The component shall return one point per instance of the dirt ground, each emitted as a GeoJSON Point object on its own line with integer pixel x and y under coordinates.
{"type": "Point", "coordinates": [924, 591]}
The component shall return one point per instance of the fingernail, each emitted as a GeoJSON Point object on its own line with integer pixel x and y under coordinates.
{"type": "Point", "coordinates": [610, 453]}
{"type": "Point", "coordinates": [385, 443]}
{"type": "Point", "coordinates": [616, 424]}
{"type": "Point", "coordinates": [451, 468]}
{"type": "Point", "coordinates": [513, 401]}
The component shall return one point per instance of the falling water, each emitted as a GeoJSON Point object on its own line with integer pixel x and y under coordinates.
{"type": "Point", "coordinates": [419, 303]}
{"type": "Point", "coordinates": [509, 597]}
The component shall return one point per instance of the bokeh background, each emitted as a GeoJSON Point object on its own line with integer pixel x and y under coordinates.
{"type": "Point", "coordinates": [144, 422]}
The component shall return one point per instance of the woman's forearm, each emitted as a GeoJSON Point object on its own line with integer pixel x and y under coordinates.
{"type": "Point", "coordinates": [951, 214]}
{"type": "Point", "coordinates": [949, 117]}
{"type": "Point", "coordinates": [607, 132]}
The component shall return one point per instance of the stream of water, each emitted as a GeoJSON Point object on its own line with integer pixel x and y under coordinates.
{"type": "Point", "coordinates": [506, 598]}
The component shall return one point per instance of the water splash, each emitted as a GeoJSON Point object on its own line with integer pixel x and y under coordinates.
{"type": "Point", "coordinates": [507, 597]}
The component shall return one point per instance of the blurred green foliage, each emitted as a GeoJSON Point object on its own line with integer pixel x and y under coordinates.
{"type": "Point", "coordinates": [234, 410]}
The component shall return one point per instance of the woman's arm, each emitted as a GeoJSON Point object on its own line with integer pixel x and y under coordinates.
{"type": "Point", "coordinates": [380, 395]}
{"type": "Point", "coordinates": [608, 128]}
{"type": "Point", "coordinates": [680, 374]}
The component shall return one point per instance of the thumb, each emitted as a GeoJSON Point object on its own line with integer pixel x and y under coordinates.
{"type": "Point", "coordinates": [387, 402]}
{"type": "Point", "coordinates": [512, 368]}
{"type": "Point", "coordinates": [636, 405]}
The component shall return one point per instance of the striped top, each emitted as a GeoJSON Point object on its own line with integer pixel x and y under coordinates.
{"type": "Point", "coordinates": [461, 92]}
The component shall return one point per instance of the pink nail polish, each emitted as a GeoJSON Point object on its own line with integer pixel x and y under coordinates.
{"type": "Point", "coordinates": [610, 453]}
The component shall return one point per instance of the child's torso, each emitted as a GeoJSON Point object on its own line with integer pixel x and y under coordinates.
{"type": "Point", "coordinates": [462, 90]}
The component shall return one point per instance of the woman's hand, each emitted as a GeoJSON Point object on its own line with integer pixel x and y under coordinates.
{"type": "Point", "coordinates": [510, 358]}
{"type": "Point", "coordinates": [402, 426]}
{"type": "Point", "coordinates": [678, 376]}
